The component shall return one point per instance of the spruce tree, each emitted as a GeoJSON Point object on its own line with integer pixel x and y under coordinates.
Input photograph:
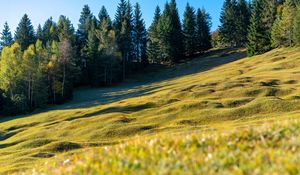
{"type": "Point", "coordinates": [25, 33]}
{"type": "Point", "coordinates": [228, 23]}
{"type": "Point", "coordinates": [49, 32]}
{"type": "Point", "coordinates": [39, 33]}
{"type": "Point", "coordinates": [242, 22]}
{"type": "Point", "coordinates": [6, 37]}
{"type": "Point", "coordinates": [282, 32]}
{"type": "Point", "coordinates": [139, 36]}
{"type": "Point", "coordinates": [153, 49]}
{"type": "Point", "coordinates": [84, 25]}
{"type": "Point", "coordinates": [255, 33]}
{"type": "Point", "coordinates": [203, 35]}
{"type": "Point", "coordinates": [189, 30]}
{"type": "Point", "coordinates": [65, 30]}
{"type": "Point", "coordinates": [296, 27]}
{"type": "Point", "coordinates": [104, 17]}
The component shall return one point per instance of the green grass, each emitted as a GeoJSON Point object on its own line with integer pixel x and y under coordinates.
{"type": "Point", "coordinates": [181, 105]}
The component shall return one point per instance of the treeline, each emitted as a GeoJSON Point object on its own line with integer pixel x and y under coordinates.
{"type": "Point", "coordinates": [260, 25]}
{"type": "Point", "coordinates": [42, 67]}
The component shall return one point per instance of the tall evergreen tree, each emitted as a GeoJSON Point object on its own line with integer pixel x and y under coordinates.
{"type": "Point", "coordinates": [282, 32]}
{"type": "Point", "coordinates": [49, 32]}
{"type": "Point", "coordinates": [65, 30]}
{"type": "Point", "coordinates": [242, 22]}
{"type": "Point", "coordinates": [255, 33]}
{"type": "Point", "coordinates": [39, 33]}
{"type": "Point", "coordinates": [6, 37]}
{"type": "Point", "coordinates": [153, 49]}
{"type": "Point", "coordinates": [228, 22]}
{"type": "Point", "coordinates": [203, 35]}
{"type": "Point", "coordinates": [139, 36]}
{"type": "Point", "coordinates": [104, 17]}
{"type": "Point", "coordinates": [84, 25]}
{"type": "Point", "coordinates": [25, 33]}
{"type": "Point", "coordinates": [296, 27]}
{"type": "Point", "coordinates": [189, 30]}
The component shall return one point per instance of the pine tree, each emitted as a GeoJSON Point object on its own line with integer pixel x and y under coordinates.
{"type": "Point", "coordinates": [189, 30]}
{"type": "Point", "coordinates": [255, 33]}
{"type": "Point", "coordinates": [25, 33]}
{"type": "Point", "coordinates": [228, 23]}
{"type": "Point", "coordinates": [296, 27]}
{"type": "Point", "coordinates": [282, 31]}
{"type": "Point", "coordinates": [49, 32]}
{"type": "Point", "coordinates": [268, 18]}
{"type": "Point", "coordinates": [84, 25]}
{"type": "Point", "coordinates": [242, 22]}
{"type": "Point", "coordinates": [104, 17]}
{"type": "Point", "coordinates": [39, 33]}
{"type": "Point", "coordinates": [203, 35]}
{"type": "Point", "coordinates": [139, 36]}
{"type": "Point", "coordinates": [6, 37]}
{"type": "Point", "coordinates": [65, 30]}
{"type": "Point", "coordinates": [153, 49]}
{"type": "Point", "coordinates": [123, 28]}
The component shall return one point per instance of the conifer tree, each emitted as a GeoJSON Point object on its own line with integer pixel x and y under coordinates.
{"type": "Point", "coordinates": [189, 30]}
{"type": "Point", "coordinates": [296, 27]}
{"type": "Point", "coordinates": [6, 37]}
{"type": "Point", "coordinates": [228, 23]}
{"type": "Point", "coordinates": [49, 32]}
{"type": "Point", "coordinates": [25, 33]}
{"type": "Point", "coordinates": [255, 33]}
{"type": "Point", "coordinates": [39, 33]}
{"type": "Point", "coordinates": [84, 25]}
{"type": "Point", "coordinates": [282, 31]}
{"type": "Point", "coordinates": [65, 30]}
{"type": "Point", "coordinates": [242, 22]}
{"type": "Point", "coordinates": [104, 17]}
{"type": "Point", "coordinates": [139, 36]}
{"type": "Point", "coordinates": [153, 49]}
{"type": "Point", "coordinates": [203, 35]}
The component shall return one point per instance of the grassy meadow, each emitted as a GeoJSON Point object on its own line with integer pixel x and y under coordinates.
{"type": "Point", "coordinates": [221, 113]}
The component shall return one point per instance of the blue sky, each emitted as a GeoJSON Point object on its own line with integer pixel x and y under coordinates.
{"type": "Point", "coordinates": [40, 10]}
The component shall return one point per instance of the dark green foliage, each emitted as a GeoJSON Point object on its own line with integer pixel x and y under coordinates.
{"type": "Point", "coordinates": [39, 33]}
{"type": "Point", "coordinates": [242, 22]}
{"type": "Point", "coordinates": [49, 32]}
{"type": "Point", "coordinates": [153, 49]}
{"type": "Point", "coordinates": [228, 22]}
{"type": "Point", "coordinates": [170, 34]}
{"type": "Point", "coordinates": [104, 17]}
{"type": "Point", "coordinates": [255, 33]}
{"type": "Point", "coordinates": [139, 37]}
{"type": "Point", "coordinates": [25, 33]}
{"type": "Point", "coordinates": [65, 30]}
{"type": "Point", "coordinates": [84, 25]}
{"type": "Point", "coordinates": [6, 37]}
{"type": "Point", "coordinates": [203, 35]}
{"type": "Point", "coordinates": [189, 30]}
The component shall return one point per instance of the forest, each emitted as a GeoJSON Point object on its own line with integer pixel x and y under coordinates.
{"type": "Point", "coordinates": [42, 67]}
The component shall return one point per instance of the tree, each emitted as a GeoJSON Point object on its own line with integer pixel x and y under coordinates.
{"type": "Point", "coordinates": [268, 18]}
{"type": "Point", "coordinates": [228, 23]}
{"type": "Point", "coordinates": [139, 36]}
{"type": "Point", "coordinates": [32, 72]}
{"type": "Point", "coordinates": [25, 33]}
{"type": "Point", "coordinates": [296, 27]}
{"type": "Point", "coordinates": [255, 33]}
{"type": "Point", "coordinates": [282, 31]}
{"type": "Point", "coordinates": [189, 30]}
{"type": "Point", "coordinates": [203, 35]}
{"type": "Point", "coordinates": [242, 22]}
{"type": "Point", "coordinates": [153, 49]}
{"type": "Point", "coordinates": [39, 33]}
{"type": "Point", "coordinates": [50, 32]}
{"type": "Point", "coordinates": [170, 34]}
{"type": "Point", "coordinates": [65, 30]}
{"type": "Point", "coordinates": [84, 25]}
{"type": "Point", "coordinates": [6, 37]}
{"type": "Point", "coordinates": [123, 28]}
{"type": "Point", "coordinates": [104, 17]}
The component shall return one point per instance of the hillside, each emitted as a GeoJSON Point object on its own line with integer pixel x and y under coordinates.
{"type": "Point", "coordinates": [223, 91]}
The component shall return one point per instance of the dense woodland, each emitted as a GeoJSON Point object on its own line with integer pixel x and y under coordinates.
{"type": "Point", "coordinates": [41, 67]}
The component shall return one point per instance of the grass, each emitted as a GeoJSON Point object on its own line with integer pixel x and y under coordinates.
{"type": "Point", "coordinates": [221, 93]}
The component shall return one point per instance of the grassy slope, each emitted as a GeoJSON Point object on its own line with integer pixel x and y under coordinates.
{"type": "Point", "coordinates": [202, 95]}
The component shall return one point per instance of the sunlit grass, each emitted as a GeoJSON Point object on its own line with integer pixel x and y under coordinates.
{"type": "Point", "coordinates": [187, 98]}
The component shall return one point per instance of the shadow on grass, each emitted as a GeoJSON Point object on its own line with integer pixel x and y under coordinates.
{"type": "Point", "coordinates": [141, 84]}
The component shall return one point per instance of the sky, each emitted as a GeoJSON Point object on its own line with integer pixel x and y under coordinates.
{"type": "Point", "coordinates": [40, 10]}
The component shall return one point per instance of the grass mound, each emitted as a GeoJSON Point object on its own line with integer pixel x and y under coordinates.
{"type": "Point", "coordinates": [222, 87]}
